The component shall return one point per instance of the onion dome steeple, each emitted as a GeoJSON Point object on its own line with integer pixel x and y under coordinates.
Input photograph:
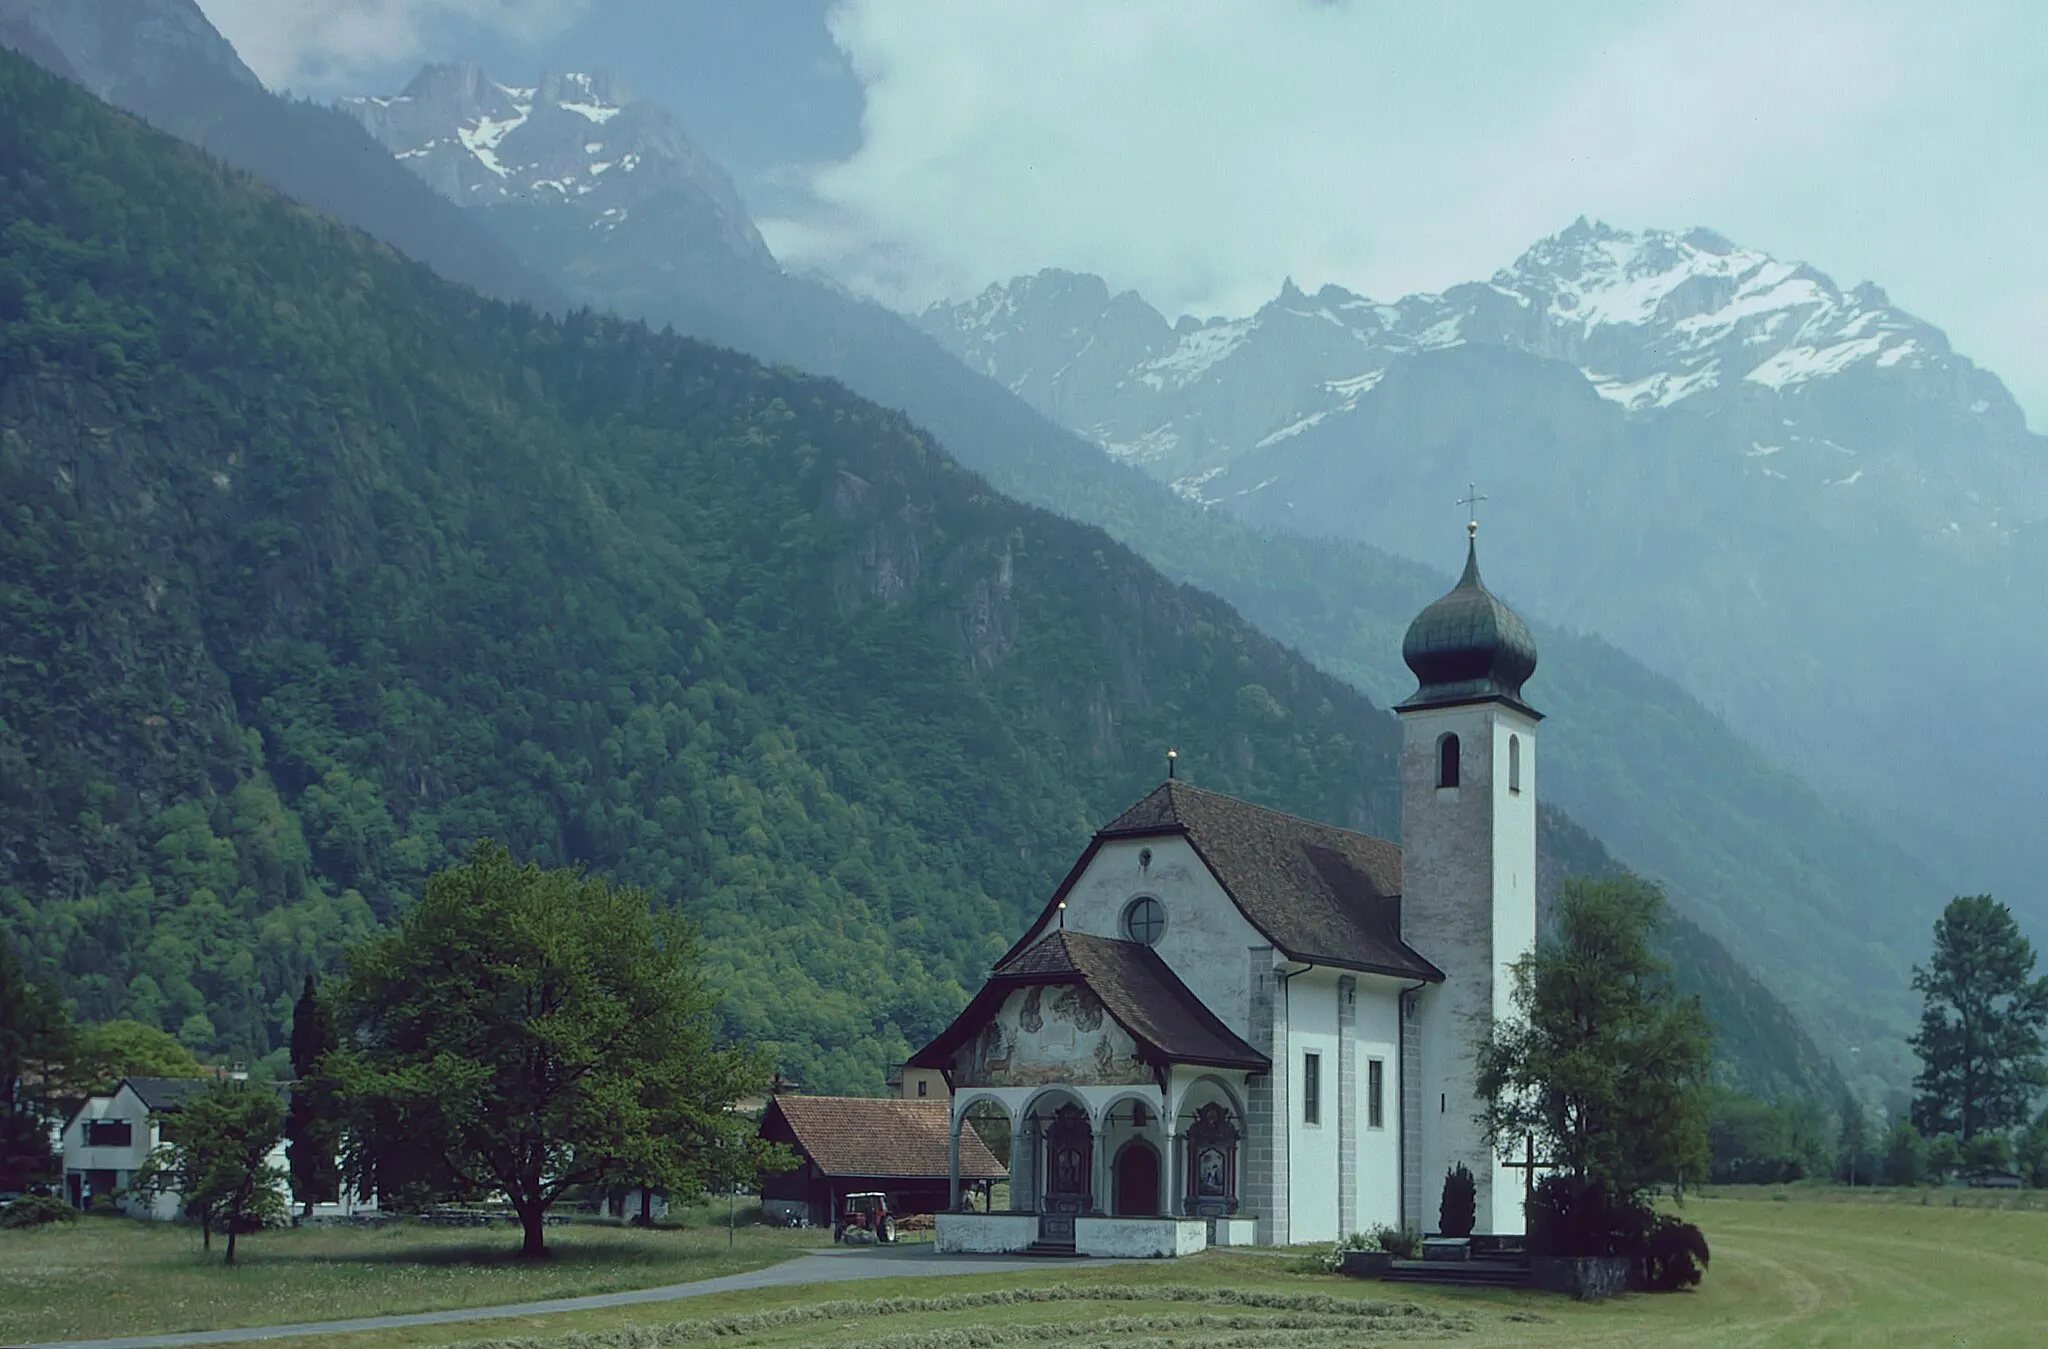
{"type": "Point", "coordinates": [1468, 647]}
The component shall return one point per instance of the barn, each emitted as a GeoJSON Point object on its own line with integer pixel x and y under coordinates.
{"type": "Point", "coordinates": [855, 1144]}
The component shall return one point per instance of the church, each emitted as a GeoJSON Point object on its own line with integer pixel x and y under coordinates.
{"type": "Point", "coordinates": [1232, 1026]}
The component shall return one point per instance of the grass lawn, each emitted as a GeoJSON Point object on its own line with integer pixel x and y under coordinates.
{"type": "Point", "coordinates": [112, 1276]}
{"type": "Point", "coordinates": [1817, 1268]}
{"type": "Point", "coordinates": [1822, 1268]}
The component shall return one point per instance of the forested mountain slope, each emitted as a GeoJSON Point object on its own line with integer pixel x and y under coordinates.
{"type": "Point", "coordinates": [1823, 906]}
{"type": "Point", "coordinates": [162, 61]}
{"type": "Point", "coordinates": [316, 568]}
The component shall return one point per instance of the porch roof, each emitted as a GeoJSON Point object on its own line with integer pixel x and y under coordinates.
{"type": "Point", "coordinates": [1136, 987]}
{"type": "Point", "coordinates": [877, 1137]}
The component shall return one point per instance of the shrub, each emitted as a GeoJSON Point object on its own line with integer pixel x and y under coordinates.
{"type": "Point", "coordinates": [1944, 1158]}
{"type": "Point", "coordinates": [1676, 1256]}
{"type": "Point", "coordinates": [1905, 1156]}
{"type": "Point", "coordinates": [34, 1210]}
{"type": "Point", "coordinates": [1398, 1242]}
{"type": "Point", "coordinates": [1329, 1261]}
{"type": "Point", "coordinates": [1567, 1217]}
{"type": "Point", "coordinates": [1458, 1214]}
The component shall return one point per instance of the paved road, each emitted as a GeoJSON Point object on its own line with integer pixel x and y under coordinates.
{"type": "Point", "coordinates": [903, 1262]}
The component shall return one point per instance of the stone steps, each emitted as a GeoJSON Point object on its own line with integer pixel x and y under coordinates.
{"type": "Point", "coordinates": [1461, 1273]}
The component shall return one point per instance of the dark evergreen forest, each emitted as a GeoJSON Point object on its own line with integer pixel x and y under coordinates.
{"type": "Point", "coordinates": [315, 568]}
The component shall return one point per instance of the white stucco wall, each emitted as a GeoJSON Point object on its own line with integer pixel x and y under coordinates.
{"type": "Point", "coordinates": [1379, 1150]}
{"type": "Point", "coordinates": [984, 1233]}
{"type": "Point", "coordinates": [1469, 905]}
{"type": "Point", "coordinates": [1312, 1148]}
{"type": "Point", "coordinates": [1140, 1238]}
{"type": "Point", "coordinates": [1206, 935]}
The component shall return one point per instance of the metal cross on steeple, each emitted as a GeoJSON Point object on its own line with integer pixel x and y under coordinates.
{"type": "Point", "coordinates": [1473, 496]}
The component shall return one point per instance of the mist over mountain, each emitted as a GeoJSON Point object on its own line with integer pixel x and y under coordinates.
{"type": "Point", "coordinates": [162, 61]}
{"type": "Point", "coordinates": [1764, 863]}
{"type": "Point", "coordinates": [321, 568]}
{"type": "Point", "coordinates": [1793, 499]}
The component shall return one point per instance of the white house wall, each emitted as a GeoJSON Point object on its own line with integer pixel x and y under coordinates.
{"type": "Point", "coordinates": [1312, 1149]}
{"type": "Point", "coordinates": [1206, 934]}
{"type": "Point", "coordinates": [1379, 1150]}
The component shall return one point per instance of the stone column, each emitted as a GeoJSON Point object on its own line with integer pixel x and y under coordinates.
{"type": "Point", "coordinates": [1267, 1174]}
{"type": "Point", "coordinates": [1347, 1106]}
{"type": "Point", "coordinates": [1173, 1185]}
{"type": "Point", "coordinates": [953, 1165]}
{"type": "Point", "coordinates": [1098, 1164]}
{"type": "Point", "coordinates": [1411, 1116]}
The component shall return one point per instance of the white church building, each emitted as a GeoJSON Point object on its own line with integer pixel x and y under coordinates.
{"type": "Point", "coordinates": [1230, 1025]}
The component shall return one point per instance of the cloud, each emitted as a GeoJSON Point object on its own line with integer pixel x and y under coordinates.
{"type": "Point", "coordinates": [330, 45]}
{"type": "Point", "coordinates": [1202, 153]}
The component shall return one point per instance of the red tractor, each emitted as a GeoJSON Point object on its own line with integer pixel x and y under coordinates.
{"type": "Point", "coordinates": [864, 1218]}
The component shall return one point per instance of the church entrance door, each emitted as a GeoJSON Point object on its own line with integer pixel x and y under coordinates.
{"type": "Point", "coordinates": [1069, 1174]}
{"type": "Point", "coordinates": [1137, 1181]}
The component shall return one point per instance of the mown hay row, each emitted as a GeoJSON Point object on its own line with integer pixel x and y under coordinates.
{"type": "Point", "coordinates": [1317, 1312]}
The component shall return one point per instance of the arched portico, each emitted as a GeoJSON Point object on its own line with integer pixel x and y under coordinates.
{"type": "Point", "coordinates": [1208, 1128]}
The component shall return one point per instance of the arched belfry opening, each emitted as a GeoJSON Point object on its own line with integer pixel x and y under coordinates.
{"type": "Point", "coordinates": [1447, 765]}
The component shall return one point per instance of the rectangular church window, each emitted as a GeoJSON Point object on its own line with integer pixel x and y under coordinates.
{"type": "Point", "coordinates": [1311, 1088]}
{"type": "Point", "coordinates": [1375, 1094]}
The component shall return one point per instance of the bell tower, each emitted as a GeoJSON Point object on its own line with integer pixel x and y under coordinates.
{"type": "Point", "coordinates": [1468, 834]}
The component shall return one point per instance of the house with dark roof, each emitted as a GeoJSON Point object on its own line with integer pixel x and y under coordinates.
{"type": "Point", "coordinates": [1233, 1025]}
{"type": "Point", "coordinates": [107, 1139]}
{"type": "Point", "coordinates": [859, 1145]}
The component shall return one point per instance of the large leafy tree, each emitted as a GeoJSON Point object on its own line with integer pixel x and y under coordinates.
{"type": "Point", "coordinates": [528, 1031]}
{"type": "Point", "coordinates": [113, 1050]}
{"type": "Point", "coordinates": [216, 1158]}
{"type": "Point", "coordinates": [1981, 1031]}
{"type": "Point", "coordinates": [1604, 1063]}
{"type": "Point", "coordinates": [312, 1126]}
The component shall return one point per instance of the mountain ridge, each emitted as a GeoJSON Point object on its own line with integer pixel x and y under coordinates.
{"type": "Point", "coordinates": [1728, 465]}
{"type": "Point", "coordinates": [440, 568]}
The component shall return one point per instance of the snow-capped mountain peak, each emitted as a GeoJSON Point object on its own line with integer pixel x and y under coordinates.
{"type": "Point", "coordinates": [571, 138]}
{"type": "Point", "coordinates": [1656, 317]}
{"type": "Point", "coordinates": [1655, 321]}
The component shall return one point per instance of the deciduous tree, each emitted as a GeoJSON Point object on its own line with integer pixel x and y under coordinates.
{"type": "Point", "coordinates": [1981, 1031]}
{"type": "Point", "coordinates": [216, 1158]}
{"type": "Point", "coordinates": [528, 1031]}
{"type": "Point", "coordinates": [1603, 1061]}
{"type": "Point", "coordinates": [1905, 1155]}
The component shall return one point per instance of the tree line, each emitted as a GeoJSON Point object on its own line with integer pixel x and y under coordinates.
{"type": "Point", "coordinates": [519, 1033]}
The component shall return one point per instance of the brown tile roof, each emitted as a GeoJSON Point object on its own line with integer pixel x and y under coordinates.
{"type": "Point", "coordinates": [1137, 988]}
{"type": "Point", "coordinates": [870, 1136]}
{"type": "Point", "coordinates": [1320, 893]}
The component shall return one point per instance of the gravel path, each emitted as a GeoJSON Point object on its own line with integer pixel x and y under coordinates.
{"type": "Point", "coordinates": [904, 1262]}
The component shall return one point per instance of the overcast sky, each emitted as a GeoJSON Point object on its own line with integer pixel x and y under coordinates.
{"type": "Point", "coordinates": [1201, 153]}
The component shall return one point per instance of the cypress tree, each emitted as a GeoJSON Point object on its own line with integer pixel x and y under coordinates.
{"type": "Point", "coordinates": [312, 1127]}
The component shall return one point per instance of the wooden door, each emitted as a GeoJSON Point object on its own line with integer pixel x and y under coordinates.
{"type": "Point", "coordinates": [1137, 1181]}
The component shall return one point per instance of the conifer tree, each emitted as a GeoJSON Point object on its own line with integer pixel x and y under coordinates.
{"type": "Point", "coordinates": [312, 1126]}
{"type": "Point", "coordinates": [1981, 1033]}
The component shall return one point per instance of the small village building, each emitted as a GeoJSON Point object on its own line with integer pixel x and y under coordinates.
{"type": "Point", "coordinates": [857, 1145]}
{"type": "Point", "coordinates": [108, 1138]}
{"type": "Point", "coordinates": [1231, 1025]}
{"type": "Point", "coordinates": [918, 1084]}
